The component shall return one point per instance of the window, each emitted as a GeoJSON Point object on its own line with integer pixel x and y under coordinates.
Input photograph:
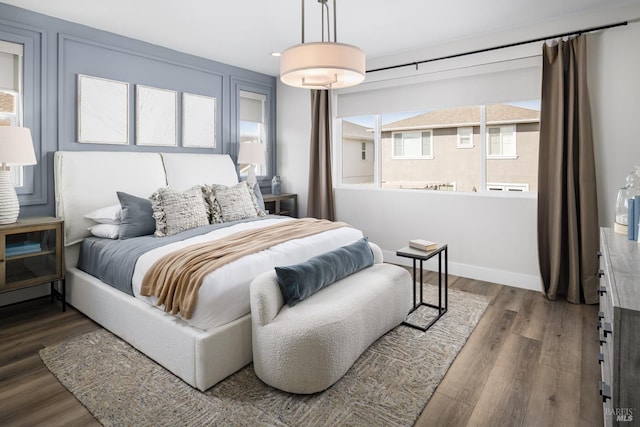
{"type": "Point", "coordinates": [501, 141]}
{"type": "Point", "coordinates": [253, 125]}
{"type": "Point", "coordinates": [10, 95]}
{"type": "Point", "coordinates": [358, 150]}
{"type": "Point", "coordinates": [465, 137]}
{"type": "Point", "coordinates": [462, 149]}
{"type": "Point", "coordinates": [507, 187]}
{"type": "Point", "coordinates": [412, 145]}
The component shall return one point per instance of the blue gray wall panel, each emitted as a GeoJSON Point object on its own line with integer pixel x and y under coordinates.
{"type": "Point", "coordinates": [56, 51]}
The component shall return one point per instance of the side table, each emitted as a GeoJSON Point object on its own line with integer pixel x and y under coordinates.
{"type": "Point", "coordinates": [418, 255]}
{"type": "Point", "coordinates": [32, 253]}
{"type": "Point", "coordinates": [276, 199]}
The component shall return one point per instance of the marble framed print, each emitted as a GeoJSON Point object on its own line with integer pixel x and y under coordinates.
{"type": "Point", "coordinates": [103, 111]}
{"type": "Point", "coordinates": [156, 116]}
{"type": "Point", "coordinates": [198, 121]}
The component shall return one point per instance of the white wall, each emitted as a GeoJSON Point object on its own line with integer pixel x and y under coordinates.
{"type": "Point", "coordinates": [293, 140]}
{"type": "Point", "coordinates": [490, 237]}
{"type": "Point", "coordinates": [614, 89]}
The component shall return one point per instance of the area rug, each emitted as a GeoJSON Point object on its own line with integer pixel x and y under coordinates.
{"type": "Point", "coordinates": [389, 384]}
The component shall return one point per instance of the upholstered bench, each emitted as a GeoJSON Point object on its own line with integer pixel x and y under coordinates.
{"type": "Point", "coordinates": [307, 347]}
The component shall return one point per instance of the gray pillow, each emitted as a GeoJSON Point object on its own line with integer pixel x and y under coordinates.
{"type": "Point", "coordinates": [258, 195]}
{"type": "Point", "coordinates": [136, 217]}
{"type": "Point", "coordinates": [300, 281]}
{"type": "Point", "coordinates": [232, 203]}
{"type": "Point", "coordinates": [176, 211]}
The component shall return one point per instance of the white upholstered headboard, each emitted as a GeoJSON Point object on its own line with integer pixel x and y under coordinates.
{"type": "Point", "coordinates": [88, 180]}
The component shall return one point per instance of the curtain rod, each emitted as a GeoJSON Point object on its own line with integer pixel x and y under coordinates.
{"type": "Point", "coordinates": [416, 63]}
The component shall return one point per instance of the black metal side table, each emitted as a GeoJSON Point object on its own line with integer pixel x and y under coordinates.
{"type": "Point", "coordinates": [419, 255]}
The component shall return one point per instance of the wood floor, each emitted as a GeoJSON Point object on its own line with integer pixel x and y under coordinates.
{"type": "Point", "coordinates": [529, 362]}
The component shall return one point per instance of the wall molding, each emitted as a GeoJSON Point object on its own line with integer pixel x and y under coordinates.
{"type": "Point", "coordinates": [35, 89]}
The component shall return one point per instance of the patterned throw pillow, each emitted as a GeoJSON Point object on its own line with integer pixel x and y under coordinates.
{"type": "Point", "coordinates": [232, 203]}
{"type": "Point", "coordinates": [176, 211]}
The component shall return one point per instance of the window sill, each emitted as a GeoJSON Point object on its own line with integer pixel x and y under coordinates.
{"type": "Point", "coordinates": [412, 158]}
{"type": "Point", "coordinates": [502, 157]}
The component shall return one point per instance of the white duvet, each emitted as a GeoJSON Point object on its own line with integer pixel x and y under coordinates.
{"type": "Point", "coordinates": [224, 294]}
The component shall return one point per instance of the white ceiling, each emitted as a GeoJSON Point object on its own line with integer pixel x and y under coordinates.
{"type": "Point", "coordinates": [245, 32]}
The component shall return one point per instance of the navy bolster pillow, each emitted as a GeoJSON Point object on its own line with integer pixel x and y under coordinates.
{"type": "Point", "coordinates": [300, 281]}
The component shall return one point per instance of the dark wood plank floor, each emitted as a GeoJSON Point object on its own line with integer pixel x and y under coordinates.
{"type": "Point", "coordinates": [529, 362]}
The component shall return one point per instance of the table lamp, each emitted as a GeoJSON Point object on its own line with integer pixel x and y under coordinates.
{"type": "Point", "coordinates": [16, 148]}
{"type": "Point", "coordinates": [251, 153]}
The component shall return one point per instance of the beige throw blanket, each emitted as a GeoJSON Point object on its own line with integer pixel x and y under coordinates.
{"type": "Point", "coordinates": [176, 278]}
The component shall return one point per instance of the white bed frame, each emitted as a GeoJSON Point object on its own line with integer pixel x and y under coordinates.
{"type": "Point", "coordinates": [85, 181]}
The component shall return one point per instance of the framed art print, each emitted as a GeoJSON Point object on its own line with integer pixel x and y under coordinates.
{"type": "Point", "coordinates": [156, 116]}
{"type": "Point", "coordinates": [198, 121]}
{"type": "Point", "coordinates": [103, 111]}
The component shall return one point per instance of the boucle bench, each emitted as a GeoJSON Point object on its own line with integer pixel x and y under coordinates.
{"type": "Point", "coordinates": [309, 346]}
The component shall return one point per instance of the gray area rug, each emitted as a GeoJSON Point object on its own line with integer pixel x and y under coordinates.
{"type": "Point", "coordinates": [389, 384]}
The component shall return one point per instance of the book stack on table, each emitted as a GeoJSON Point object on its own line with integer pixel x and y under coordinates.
{"type": "Point", "coordinates": [22, 248]}
{"type": "Point", "coordinates": [423, 245]}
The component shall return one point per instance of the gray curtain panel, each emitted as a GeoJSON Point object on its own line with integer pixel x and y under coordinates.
{"type": "Point", "coordinates": [320, 203]}
{"type": "Point", "coordinates": [568, 235]}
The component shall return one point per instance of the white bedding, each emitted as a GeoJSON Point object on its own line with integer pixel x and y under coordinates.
{"type": "Point", "coordinates": [224, 294]}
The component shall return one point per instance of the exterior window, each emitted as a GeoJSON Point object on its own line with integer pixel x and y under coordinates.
{"type": "Point", "coordinates": [501, 141]}
{"type": "Point", "coordinates": [412, 145]}
{"type": "Point", "coordinates": [507, 187]}
{"type": "Point", "coordinates": [253, 125]}
{"type": "Point", "coordinates": [465, 137]}
{"type": "Point", "coordinates": [358, 150]}
{"type": "Point", "coordinates": [397, 150]}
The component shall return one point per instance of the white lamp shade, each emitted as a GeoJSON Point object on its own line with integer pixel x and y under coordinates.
{"type": "Point", "coordinates": [251, 153]}
{"type": "Point", "coordinates": [16, 146]}
{"type": "Point", "coordinates": [322, 65]}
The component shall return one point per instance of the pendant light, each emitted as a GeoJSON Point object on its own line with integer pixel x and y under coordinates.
{"type": "Point", "coordinates": [325, 64]}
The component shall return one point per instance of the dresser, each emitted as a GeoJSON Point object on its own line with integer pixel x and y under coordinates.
{"type": "Point", "coordinates": [619, 328]}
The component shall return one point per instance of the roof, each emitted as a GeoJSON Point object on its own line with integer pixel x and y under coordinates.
{"type": "Point", "coordinates": [466, 116]}
{"type": "Point", "coordinates": [352, 130]}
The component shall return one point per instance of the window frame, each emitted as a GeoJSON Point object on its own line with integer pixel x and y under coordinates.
{"type": "Point", "coordinates": [507, 187]}
{"type": "Point", "coordinates": [515, 142]}
{"type": "Point", "coordinates": [459, 144]}
{"type": "Point", "coordinates": [239, 84]}
{"type": "Point", "coordinates": [430, 156]}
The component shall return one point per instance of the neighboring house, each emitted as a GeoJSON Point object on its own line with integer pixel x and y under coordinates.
{"type": "Point", "coordinates": [357, 153]}
{"type": "Point", "coordinates": [440, 150]}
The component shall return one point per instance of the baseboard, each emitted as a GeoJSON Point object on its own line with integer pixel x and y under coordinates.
{"type": "Point", "coordinates": [502, 277]}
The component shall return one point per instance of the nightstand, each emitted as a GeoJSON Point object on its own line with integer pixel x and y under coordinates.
{"type": "Point", "coordinates": [290, 199]}
{"type": "Point", "coordinates": [31, 254]}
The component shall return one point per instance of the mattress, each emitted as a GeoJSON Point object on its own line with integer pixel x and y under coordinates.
{"type": "Point", "coordinates": [224, 294]}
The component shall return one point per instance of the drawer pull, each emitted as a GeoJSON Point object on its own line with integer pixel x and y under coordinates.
{"type": "Point", "coordinates": [607, 329]}
{"type": "Point", "coordinates": [599, 254]}
{"type": "Point", "coordinates": [602, 290]}
{"type": "Point", "coordinates": [605, 391]}
{"type": "Point", "coordinates": [600, 358]}
{"type": "Point", "coordinates": [600, 315]}
{"type": "Point", "coordinates": [600, 273]}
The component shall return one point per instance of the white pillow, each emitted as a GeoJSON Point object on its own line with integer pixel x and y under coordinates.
{"type": "Point", "coordinates": [106, 231]}
{"type": "Point", "coordinates": [109, 215]}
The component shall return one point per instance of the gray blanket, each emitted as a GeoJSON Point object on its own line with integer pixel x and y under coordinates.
{"type": "Point", "coordinates": [113, 261]}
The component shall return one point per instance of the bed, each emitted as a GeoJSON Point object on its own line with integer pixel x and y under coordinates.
{"type": "Point", "coordinates": [200, 353]}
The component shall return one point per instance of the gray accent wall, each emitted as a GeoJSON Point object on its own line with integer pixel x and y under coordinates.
{"type": "Point", "coordinates": [56, 51]}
